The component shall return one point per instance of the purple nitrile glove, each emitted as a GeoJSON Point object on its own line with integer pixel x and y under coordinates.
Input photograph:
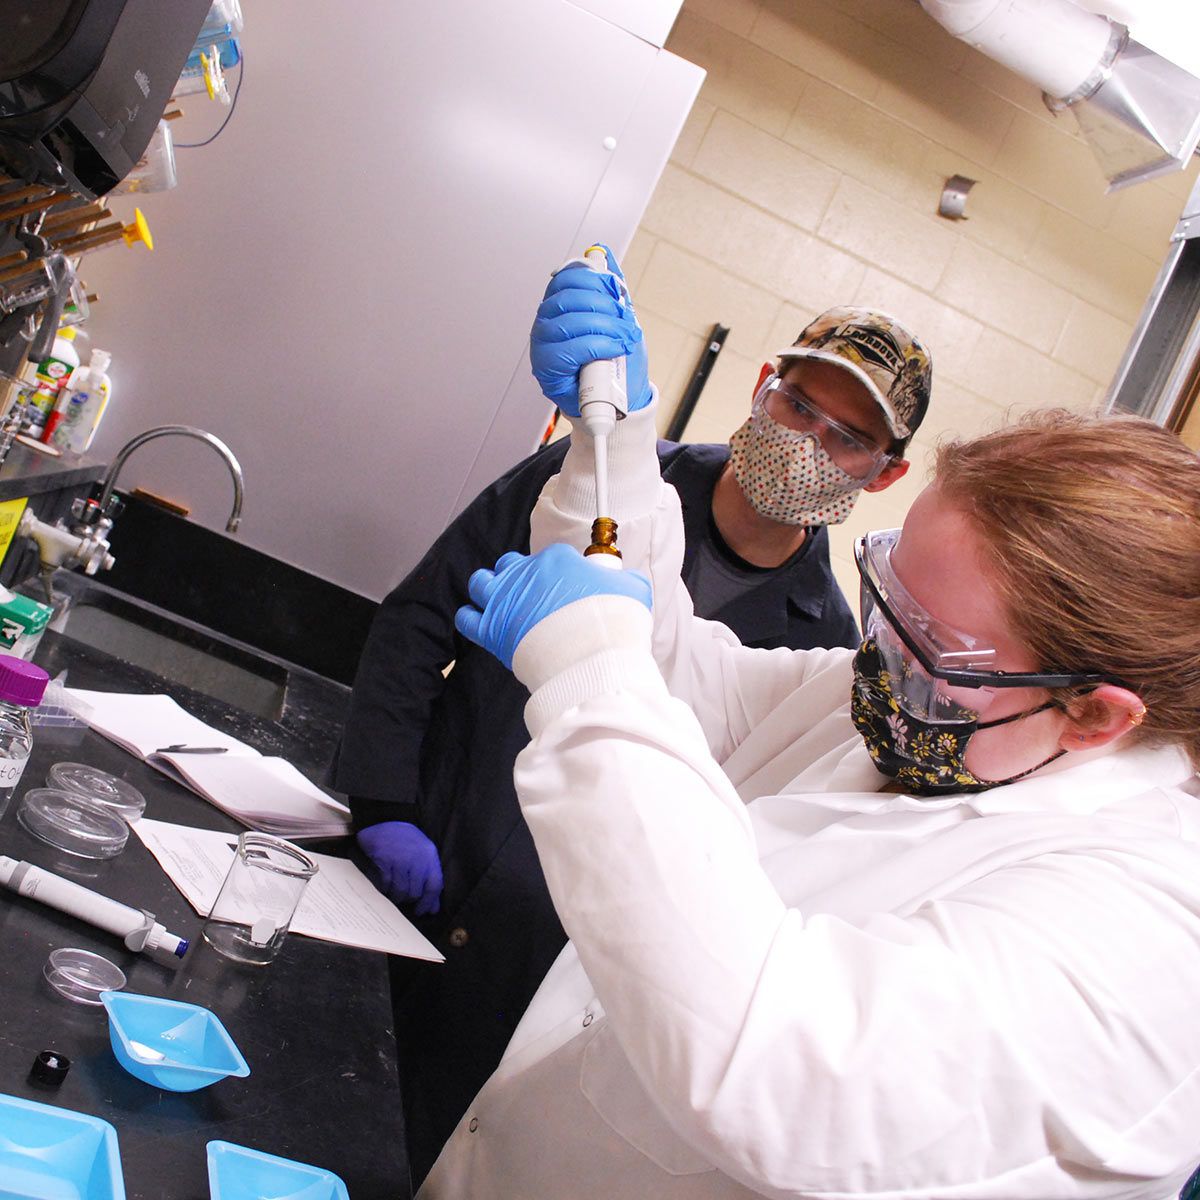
{"type": "Point", "coordinates": [406, 862]}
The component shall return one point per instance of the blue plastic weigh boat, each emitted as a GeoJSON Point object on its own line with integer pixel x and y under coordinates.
{"type": "Point", "coordinates": [172, 1045]}
{"type": "Point", "coordinates": [239, 1173]}
{"type": "Point", "coordinates": [51, 1152]}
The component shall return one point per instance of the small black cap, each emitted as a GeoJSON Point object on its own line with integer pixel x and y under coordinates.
{"type": "Point", "coordinates": [49, 1067]}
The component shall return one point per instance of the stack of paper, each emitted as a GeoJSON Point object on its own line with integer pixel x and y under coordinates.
{"type": "Point", "coordinates": [262, 792]}
{"type": "Point", "coordinates": [339, 903]}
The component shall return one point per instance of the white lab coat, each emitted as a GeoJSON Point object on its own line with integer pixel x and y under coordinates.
{"type": "Point", "coordinates": [784, 982]}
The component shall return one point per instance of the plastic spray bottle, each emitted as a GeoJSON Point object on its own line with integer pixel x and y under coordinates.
{"type": "Point", "coordinates": [84, 404]}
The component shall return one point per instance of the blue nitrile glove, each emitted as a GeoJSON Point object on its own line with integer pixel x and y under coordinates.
{"type": "Point", "coordinates": [406, 861]}
{"type": "Point", "coordinates": [586, 315]}
{"type": "Point", "coordinates": [524, 589]}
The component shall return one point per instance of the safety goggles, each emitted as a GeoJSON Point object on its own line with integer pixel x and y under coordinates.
{"type": "Point", "coordinates": [945, 656]}
{"type": "Point", "coordinates": [855, 453]}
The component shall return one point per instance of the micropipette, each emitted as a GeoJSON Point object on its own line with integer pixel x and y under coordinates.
{"type": "Point", "coordinates": [137, 927]}
{"type": "Point", "coordinates": [602, 402]}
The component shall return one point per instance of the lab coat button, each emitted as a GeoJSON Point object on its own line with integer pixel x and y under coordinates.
{"type": "Point", "coordinates": [474, 1125]}
{"type": "Point", "coordinates": [588, 1018]}
{"type": "Point", "coordinates": [458, 937]}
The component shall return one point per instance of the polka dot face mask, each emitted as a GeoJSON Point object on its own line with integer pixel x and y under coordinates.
{"type": "Point", "coordinates": [787, 475]}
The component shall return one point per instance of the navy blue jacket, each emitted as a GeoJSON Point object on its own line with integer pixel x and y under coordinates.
{"type": "Point", "coordinates": [439, 752]}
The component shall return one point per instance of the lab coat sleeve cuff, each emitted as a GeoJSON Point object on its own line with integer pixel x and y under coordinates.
{"type": "Point", "coordinates": [633, 468]}
{"type": "Point", "coordinates": [595, 645]}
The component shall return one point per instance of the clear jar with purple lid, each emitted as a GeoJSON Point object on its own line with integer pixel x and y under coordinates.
{"type": "Point", "coordinates": [22, 685]}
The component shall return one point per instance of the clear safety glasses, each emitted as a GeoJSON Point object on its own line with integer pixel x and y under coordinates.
{"type": "Point", "coordinates": [853, 452]}
{"type": "Point", "coordinates": [930, 662]}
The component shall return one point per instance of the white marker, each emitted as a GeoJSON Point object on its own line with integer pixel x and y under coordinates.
{"type": "Point", "coordinates": [135, 926]}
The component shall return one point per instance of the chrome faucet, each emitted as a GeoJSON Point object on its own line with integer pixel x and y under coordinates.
{"type": "Point", "coordinates": [104, 501]}
{"type": "Point", "coordinates": [86, 544]}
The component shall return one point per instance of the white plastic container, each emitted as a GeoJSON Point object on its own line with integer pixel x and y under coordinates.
{"type": "Point", "coordinates": [63, 358]}
{"type": "Point", "coordinates": [84, 404]}
{"type": "Point", "coordinates": [155, 170]}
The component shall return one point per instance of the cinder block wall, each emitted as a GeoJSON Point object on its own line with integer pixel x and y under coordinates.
{"type": "Point", "coordinates": [810, 174]}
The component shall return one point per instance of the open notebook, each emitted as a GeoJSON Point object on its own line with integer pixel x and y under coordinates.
{"type": "Point", "coordinates": [262, 792]}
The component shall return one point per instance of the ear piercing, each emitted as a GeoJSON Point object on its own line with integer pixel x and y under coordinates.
{"type": "Point", "coordinates": [1135, 719]}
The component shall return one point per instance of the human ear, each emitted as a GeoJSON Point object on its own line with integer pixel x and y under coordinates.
{"type": "Point", "coordinates": [896, 469]}
{"type": "Point", "coordinates": [1101, 717]}
{"type": "Point", "coordinates": [768, 369]}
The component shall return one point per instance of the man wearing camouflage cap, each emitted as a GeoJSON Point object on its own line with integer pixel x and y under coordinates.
{"type": "Point", "coordinates": [833, 419]}
{"type": "Point", "coordinates": [427, 761]}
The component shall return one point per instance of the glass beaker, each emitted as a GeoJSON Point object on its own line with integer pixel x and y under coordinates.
{"type": "Point", "coordinates": [258, 899]}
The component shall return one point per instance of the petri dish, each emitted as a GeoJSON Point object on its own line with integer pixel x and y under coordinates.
{"type": "Point", "coordinates": [73, 823]}
{"type": "Point", "coordinates": [123, 798]}
{"type": "Point", "coordinates": [81, 975]}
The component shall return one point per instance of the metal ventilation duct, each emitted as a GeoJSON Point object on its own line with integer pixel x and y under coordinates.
{"type": "Point", "coordinates": [1139, 112]}
{"type": "Point", "coordinates": [1159, 376]}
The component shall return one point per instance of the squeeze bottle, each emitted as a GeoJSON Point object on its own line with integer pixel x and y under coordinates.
{"type": "Point", "coordinates": [82, 407]}
{"type": "Point", "coordinates": [51, 377]}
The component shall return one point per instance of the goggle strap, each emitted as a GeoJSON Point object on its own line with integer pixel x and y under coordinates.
{"type": "Point", "coordinates": [1013, 778]}
{"type": "Point", "coordinates": [1017, 717]}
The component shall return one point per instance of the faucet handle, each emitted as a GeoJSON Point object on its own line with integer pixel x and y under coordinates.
{"type": "Point", "coordinates": [86, 511]}
{"type": "Point", "coordinates": [89, 512]}
{"type": "Point", "coordinates": [94, 555]}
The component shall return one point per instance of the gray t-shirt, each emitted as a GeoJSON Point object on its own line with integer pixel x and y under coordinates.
{"type": "Point", "coordinates": [715, 575]}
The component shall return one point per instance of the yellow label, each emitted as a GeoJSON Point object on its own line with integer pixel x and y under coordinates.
{"type": "Point", "coordinates": [10, 516]}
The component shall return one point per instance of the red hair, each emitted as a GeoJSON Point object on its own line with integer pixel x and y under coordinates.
{"type": "Point", "coordinates": [1093, 527]}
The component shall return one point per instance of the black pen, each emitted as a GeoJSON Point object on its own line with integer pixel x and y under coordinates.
{"type": "Point", "coordinates": [181, 749]}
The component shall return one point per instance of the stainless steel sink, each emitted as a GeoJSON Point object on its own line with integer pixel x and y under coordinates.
{"type": "Point", "coordinates": [168, 645]}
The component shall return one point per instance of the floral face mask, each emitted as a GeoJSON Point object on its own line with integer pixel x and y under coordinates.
{"type": "Point", "coordinates": [926, 755]}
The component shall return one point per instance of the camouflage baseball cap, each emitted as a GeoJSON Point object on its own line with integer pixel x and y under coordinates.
{"type": "Point", "coordinates": [880, 352]}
